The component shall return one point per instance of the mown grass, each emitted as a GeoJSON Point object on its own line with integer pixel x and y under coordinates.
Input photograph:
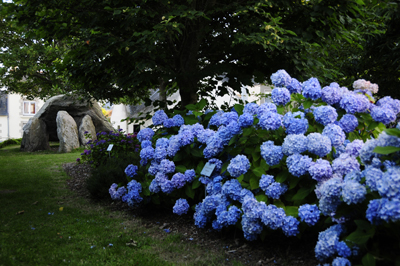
{"type": "Point", "coordinates": [43, 223]}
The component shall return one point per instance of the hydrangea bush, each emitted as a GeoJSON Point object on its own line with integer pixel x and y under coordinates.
{"type": "Point", "coordinates": [315, 159]}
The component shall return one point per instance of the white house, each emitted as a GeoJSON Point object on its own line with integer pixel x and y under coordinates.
{"type": "Point", "coordinates": [15, 112]}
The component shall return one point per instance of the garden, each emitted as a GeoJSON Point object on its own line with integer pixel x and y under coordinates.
{"type": "Point", "coordinates": [315, 160]}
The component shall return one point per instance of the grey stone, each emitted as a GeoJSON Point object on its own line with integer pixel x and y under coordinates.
{"type": "Point", "coordinates": [35, 136]}
{"type": "Point", "coordinates": [86, 126]}
{"type": "Point", "coordinates": [75, 108]}
{"type": "Point", "coordinates": [67, 132]}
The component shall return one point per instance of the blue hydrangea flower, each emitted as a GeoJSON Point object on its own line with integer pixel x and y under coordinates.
{"type": "Point", "coordinates": [173, 146]}
{"type": "Point", "coordinates": [205, 135]}
{"type": "Point", "coordinates": [160, 154]}
{"type": "Point", "coordinates": [178, 180]}
{"type": "Point", "coordinates": [312, 89]}
{"type": "Point", "coordinates": [181, 207]}
{"type": "Point", "coordinates": [390, 210]}
{"type": "Point", "coordinates": [147, 153]}
{"type": "Point", "coordinates": [343, 250]}
{"type": "Point", "coordinates": [178, 120]}
{"type": "Point", "coordinates": [335, 134]}
{"type": "Point", "coordinates": [345, 164]}
{"type": "Point", "coordinates": [190, 174]}
{"type": "Point", "coordinates": [327, 241]}
{"type": "Point", "coordinates": [162, 143]}
{"type": "Point", "coordinates": [339, 261]}
{"type": "Point", "coordinates": [250, 108]}
{"type": "Point", "coordinates": [331, 95]}
{"type": "Point", "coordinates": [168, 123]}
{"type": "Point", "coordinates": [280, 78]}
{"type": "Point", "coordinates": [294, 144]}
{"type": "Point", "coordinates": [270, 121]}
{"type": "Point", "coordinates": [145, 144]}
{"type": "Point", "coordinates": [238, 166]}
{"type": "Point", "coordinates": [228, 117]}
{"type": "Point", "coordinates": [131, 170]}
{"type": "Point", "coordinates": [232, 189]}
{"type": "Point", "coordinates": [115, 193]}
{"type": "Point", "coordinates": [246, 120]}
{"type": "Point", "coordinates": [159, 117]}
{"type": "Point", "coordinates": [225, 134]}
{"type": "Point", "coordinates": [348, 123]}
{"type": "Point", "coordinates": [354, 148]}
{"type": "Point", "coordinates": [389, 102]}
{"type": "Point", "coordinates": [266, 108]}
{"type": "Point", "coordinates": [366, 153]}
{"type": "Point", "coordinates": [145, 134]}
{"type": "Point", "coordinates": [372, 176]}
{"type": "Point", "coordinates": [153, 169]}
{"type": "Point", "coordinates": [133, 197]}
{"type": "Point", "coordinates": [265, 181]}
{"type": "Point", "coordinates": [186, 138]}
{"type": "Point", "coordinates": [389, 184]}
{"type": "Point", "coordinates": [298, 165]}
{"type": "Point", "coordinates": [325, 114]}
{"type": "Point", "coordinates": [166, 186]}
{"type": "Point", "coordinates": [320, 170]}
{"type": "Point", "coordinates": [353, 192]}
{"type": "Point", "coordinates": [374, 207]}
{"type": "Point", "coordinates": [318, 144]}
{"type": "Point", "coordinates": [280, 96]}
{"type": "Point", "coordinates": [383, 114]}
{"type": "Point", "coordinates": [271, 154]}
{"type": "Point", "coordinates": [273, 217]}
{"type": "Point", "coordinates": [216, 119]}
{"type": "Point", "coordinates": [275, 190]}
{"type": "Point", "coordinates": [290, 226]}
{"type": "Point", "coordinates": [229, 217]}
{"type": "Point", "coordinates": [214, 146]}
{"type": "Point", "coordinates": [352, 103]}
{"type": "Point", "coordinates": [309, 214]}
{"type": "Point", "coordinates": [166, 166]}
{"type": "Point", "coordinates": [295, 123]}
{"type": "Point", "coordinates": [218, 165]}
{"type": "Point", "coordinates": [294, 86]}
{"type": "Point", "coordinates": [353, 175]}
{"type": "Point", "coordinates": [251, 228]}
{"type": "Point", "coordinates": [329, 193]}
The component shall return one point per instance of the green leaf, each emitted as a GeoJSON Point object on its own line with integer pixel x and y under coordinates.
{"type": "Point", "coordinates": [233, 140]}
{"type": "Point", "coordinates": [279, 203]}
{"type": "Point", "coordinates": [302, 193]}
{"type": "Point", "coordinates": [259, 171]}
{"type": "Point", "coordinates": [256, 155]}
{"type": "Point", "coordinates": [280, 109]}
{"type": "Point", "coordinates": [201, 104]}
{"type": "Point", "coordinates": [254, 182]}
{"type": "Point", "coordinates": [191, 107]}
{"type": "Point", "coordinates": [262, 197]}
{"type": "Point", "coordinates": [368, 260]}
{"type": "Point", "coordinates": [247, 131]}
{"type": "Point", "coordinates": [117, 12]}
{"type": "Point", "coordinates": [190, 120]}
{"type": "Point", "coordinates": [239, 108]}
{"type": "Point", "coordinates": [224, 166]}
{"type": "Point", "coordinates": [200, 167]}
{"type": "Point", "coordinates": [373, 125]}
{"type": "Point", "coordinates": [197, 152]}
{"type": "Point", "coordinates": [386, 150]}
{"type": "Point", "coordinates": [178, 156]}
{"type": "Point", "coordinates": [189, 192]}
{"type": "Point", "coordinates": [282, 176]}
{"type": "Point", "coordinates": [196, 183]}
{"type": "Point", "coordinates": [180, 168]}
{"type": "Point", "coordinates": [393, 132]}
{"type": "Point", "coordinates": [307, 104]}
{"type": "Point", "coordinates": [292, 211]}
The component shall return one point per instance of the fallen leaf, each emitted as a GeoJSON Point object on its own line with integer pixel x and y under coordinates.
{"type": "Point", "coordinates": [20, 212]}
{"type": "Point", "coordinates": [36, 202]}
{"type": "Point", "coordinates": [61, 209]}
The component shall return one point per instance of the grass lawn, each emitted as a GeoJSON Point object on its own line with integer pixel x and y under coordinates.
{"type": "Point", "coordinates": [43, 223]}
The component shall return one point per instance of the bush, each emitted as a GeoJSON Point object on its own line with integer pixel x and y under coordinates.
{"type": "Point", "coordinates": [123, 145]}
{"type": "Point", "coordinates": [9, 142]}
{"type": "Point", "coordinates": [104, 175]}
{"type": "Point", "coordinates": [310, 162]}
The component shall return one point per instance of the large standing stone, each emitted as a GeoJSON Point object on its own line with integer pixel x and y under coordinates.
{"type": "Point", "coordinates": [35, 136]}
{"type": "Point", "coordinates": [67, 132]}
{"type": "Point", "coordinates": [86, 126]}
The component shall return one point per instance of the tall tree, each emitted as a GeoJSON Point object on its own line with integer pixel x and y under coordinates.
{"type": "Point", "coordinates": [124, 48]}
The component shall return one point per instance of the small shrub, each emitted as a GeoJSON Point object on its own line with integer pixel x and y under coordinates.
{"type": "Point", "coordinates": [10, 142]}
{"type": "Point", "coordinates": [108, 173]}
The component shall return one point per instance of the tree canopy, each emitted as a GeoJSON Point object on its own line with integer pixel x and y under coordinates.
{"type": "Point", "coordinates": [115, 49]}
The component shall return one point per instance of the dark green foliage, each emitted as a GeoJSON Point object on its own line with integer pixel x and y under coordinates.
{"type": "Point", "coordinates": [10, 142]}
{"type": "Point", "coordinates": [103, 176]}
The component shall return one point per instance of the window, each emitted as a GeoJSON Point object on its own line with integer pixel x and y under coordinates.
{"type": "Point", "coordinates": [29, 108]}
